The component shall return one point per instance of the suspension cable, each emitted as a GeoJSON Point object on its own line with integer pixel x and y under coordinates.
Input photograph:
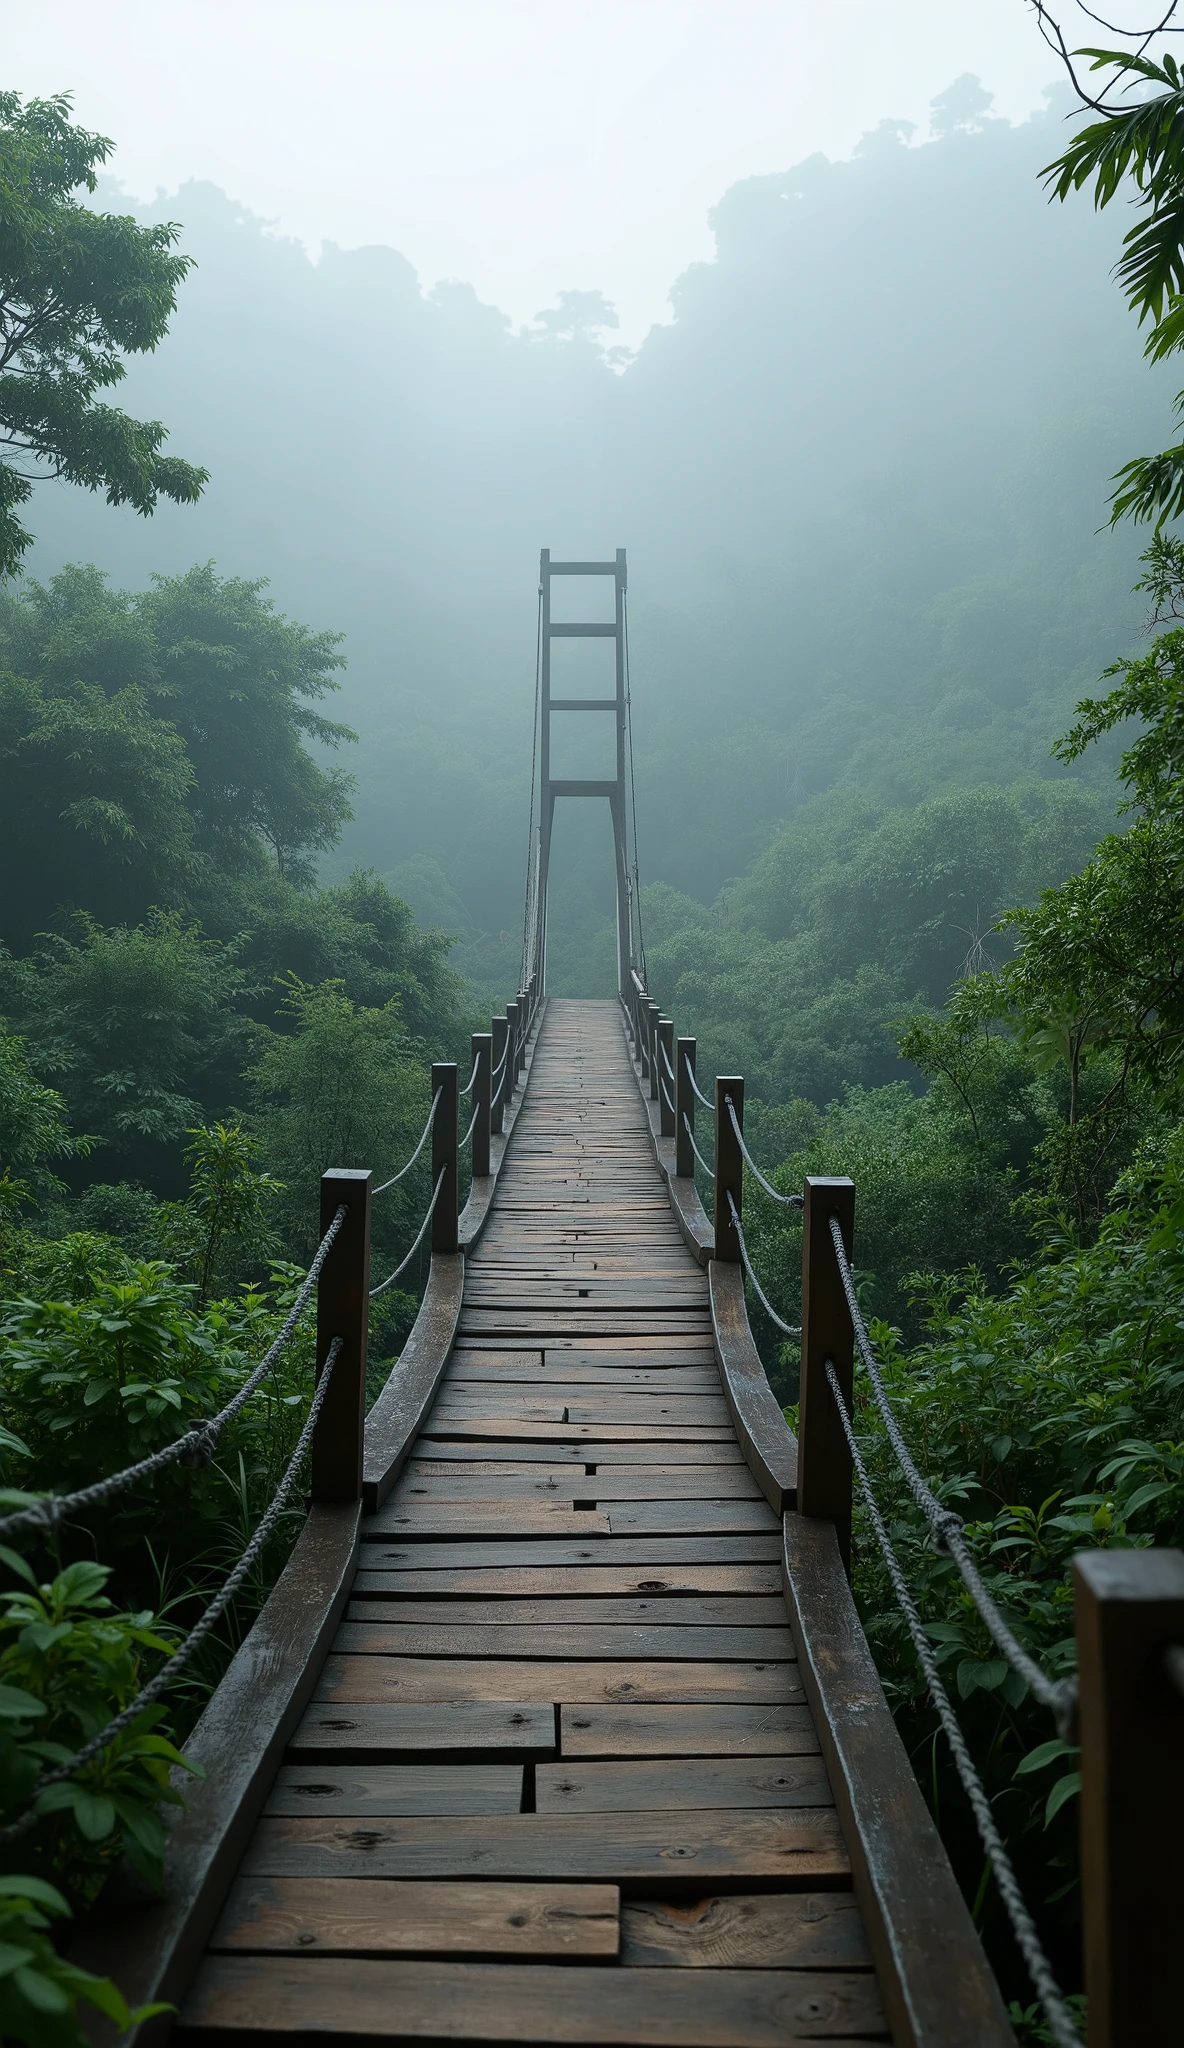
{"type": "Point", "coordinates": [197, 1635]}
{"type": "Point", "coordinates": [196, 1447]}
{"type": "Point", "coordinates": [788, 1329]}
{"type": "Point", "coordinates": [403, 1170]}
{"type": "Point", "coordinates": [402, 1267]}
{"type": "Point", "coordinates": [946, 1528]}
{"type": "Point", "coordinates": [1039, 1969]}
{"type": "Point", "coordinates": [686, 1124]}
{"type": "Point", "coordinates": [788, 1201]}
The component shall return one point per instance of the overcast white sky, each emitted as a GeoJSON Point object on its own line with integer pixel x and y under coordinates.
{"type": "Point", "coordinates": [524, 145]}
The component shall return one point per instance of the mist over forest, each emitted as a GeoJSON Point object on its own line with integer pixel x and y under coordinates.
{"type": "Point", "coordinates": [859, 474]}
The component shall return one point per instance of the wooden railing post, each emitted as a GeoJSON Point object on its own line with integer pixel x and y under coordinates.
{"type": "Point", "coordinates": [497, 1103]}
{"type": "Point", "coordinates": [684, 1107]}
{"type": "Point", "coordinates": [729, 1166]}
{"type": "Point", "coordinates": [445, 1235]}
{"type": "Point", "coordinates": [651, 1009]}
{"type": "Point", "coordinates": [512, 1052]}
{"type": "Point", "coordinates": [643, 1035]}
{"type": "Point", "coordinates": [665, 1081]}
{"type": "Point", "coordinates": [482, 1043]}
{"type": "Point", "coordinates": [824, 1461]}
{"type": "Point", "coordinates": [1129, 1610]}
{"type": "Point", "coordinates": [523, 1032]}
{"type": "Point", "coordinates": [343, 1310]}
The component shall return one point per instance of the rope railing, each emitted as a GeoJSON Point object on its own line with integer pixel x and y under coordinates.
{"type": "Point", "coordinates": [708, 1170]}
{"type": "Point", "coordinates": [196, 1447]}
{"type": "Point", "coordinates": [667, 1097]}
{"type": "Point", "coordinates": [690, 1072]}
{"type": "Point", "coordinates": [468, 1087]}
{"type": "Point", "coordinates": [424, 1136]}
{"type": "Point", "coordinates": [666, 1061]}
{"type": "Point", "coordinates": [404, 1263]}
{"type": "Point", "coordinates": [787, 1201]}
{"type": "Point", "coordinates": [946, 1528]}
{"type": "Point", "coordinates": [788, 1329]}
{"type": "Point", "coordinates": [1044, 1983]}
{"type": "Point", "coordinates": [186, 1651]}
{"type": "Point", "coordinates": [462, 1142]}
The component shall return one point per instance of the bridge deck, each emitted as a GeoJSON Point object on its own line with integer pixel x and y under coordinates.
{"type": "Point", "coordinates": [559, 1782]}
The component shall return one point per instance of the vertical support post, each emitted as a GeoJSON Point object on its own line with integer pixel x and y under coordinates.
{"type": "Point", "coordinates": [343, 1310]}
{"type": "Point", "coordinates": [511, 1052]}
{"type": "Point", "coordinates": [546, 800]}
{"type": "Point", "coordinates": [651, 1011]}
{"type": "Point", "coordinates": [824, 1461]}
{"type": "Point", "coordinates": [1129, 1607]}
{"type": "Point", "coordinates": [523, 1031]}
{"type": "Point", "coordinates": [482, 1043]}
{"type": "Point", "coordinates": [729, 1165]}
{"type": "Point", "coordinates": [665, 1082]}
{"type": "Point", "coordinates": [643, 1035]}
{"type": "Point", "coordinates": [684, 1106]}
{"type": "Point", "coordinates": [445, 1236]}
{"type": "Point", "coordinates": [620, 833]}
{"type": "Point", "coordinates": [497, 1105]}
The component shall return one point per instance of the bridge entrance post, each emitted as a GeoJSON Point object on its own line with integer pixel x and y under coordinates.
{"type": "Point", "coordinates": [343, 1310]}
{"type": "Point", "coordinates": [445, 1232]}
{"type": "Point", "coordinates": [498, 1098]}
{"type": "Point", "coordinates": [482, 1046]}
{"type": "Point", "coordinates": [614, 787]}
{"type": "Point", "coordinates": [684, 1107]}
{"type": "Point", "coordinates": [824, 1460]}
{"type": "Point", "coordinates": [1129, 1611]}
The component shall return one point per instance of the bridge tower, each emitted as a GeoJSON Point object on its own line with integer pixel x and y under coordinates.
{"type": "Point", "coordinates": [617, 706]}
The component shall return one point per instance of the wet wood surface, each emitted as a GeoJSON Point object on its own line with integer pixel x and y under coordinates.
{"type": "Point", "coordinates": [559, 1781]}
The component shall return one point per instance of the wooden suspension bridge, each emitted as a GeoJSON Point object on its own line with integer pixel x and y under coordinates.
{"type": "Point", "coordinates": [560, 1724]}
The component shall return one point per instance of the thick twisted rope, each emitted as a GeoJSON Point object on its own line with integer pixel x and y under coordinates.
{"type": "Point", "coordinates": [197, 1635]}
{"type": "Point", "coordinates": [704, 1099]}
{"type": "Point", "coordinates": [787, 1201]}
{"type": "Point", "coordinates": [788, 1329]}
{"type": "Point", "coordinates": [405, 1170]}
{"type": "Point", "coordinates": [196, 1447]}
{"type": "Point", "coordinates": [686, 1124]}
{"type": "Point", "coordinates": [402, 1268]}
{"type": "Point", "coordinates": [462, 1142]}
{"type": "Point", "coordinates": [1039, 1969]}
{"type": "Point", "coordinates": [947, 1528]}
{"type": "Point", "coordinates": [468, 1087]}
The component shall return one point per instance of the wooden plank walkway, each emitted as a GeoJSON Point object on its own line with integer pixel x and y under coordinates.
{"type": "Point", "coordinates": [559, 1782]}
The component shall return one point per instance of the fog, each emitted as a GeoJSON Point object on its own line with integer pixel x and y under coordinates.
{"type": "Point", "coordinates": [859, 474]}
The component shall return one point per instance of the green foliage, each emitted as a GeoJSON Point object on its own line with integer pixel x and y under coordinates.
{"type": "Point", "coordinates": [137, 1026]}
{"type": "Point", "coordinates": [69, 1662]}
{"type": "Point", "coordinates": [40, 1991]}
{"type": "Point", "coordinates": [79, 290]}
{"type": "Point", "coordinates": [344, 1088]}
{"type": "Point", "coordinates": [93, 793]}
{"type": "Point", "coordinates": [34, 1128]}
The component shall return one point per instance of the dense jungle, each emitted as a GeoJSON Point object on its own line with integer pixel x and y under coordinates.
{"type": "Point", "coordinates": [906, 707]}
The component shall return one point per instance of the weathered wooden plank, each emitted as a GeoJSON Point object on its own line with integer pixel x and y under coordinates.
{"type": "Point", "coordinates": [363, 1999]}
{"type": "Point", "coordinates": [653, 1517]}
{"type": "Point", "coordinates": [624, 1730]}
{"type": "Point", "coordinates": [490, 1518]}
{"type": "Point", "coordinates": [377, 1916]}
{"type": "Point", "coordinates": [397, 1727]}
{"type": "Point", "coordinates": [445, 1454]}
{"type": "Point", "coordinates": [757, 1930]}
{"type": "Point", "coordinates": [556, 1581]}
{"type": "Point", "coordinates": [685, 1483]}
{"type": "Point", "coordinates": [356, 1789]}
{"type": "Point", "coordinates": [649, 1783]}
{"type": "Point", "coordinates": [356, 1681]}
{"type": "Point", "coordinates": [512, 1428]}
{"type": "Point", "coordinates": [682, 1610]}
{"type": "Point", "coordinates": [795, 1845]}
{"type": "Point", "coordinates": [761, 1546]}
{"type": "Point", "coordinates": [367, 1638]}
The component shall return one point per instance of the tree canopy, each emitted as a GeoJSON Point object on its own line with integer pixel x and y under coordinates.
{"type": "Point", "coordinates": [78, 291]}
